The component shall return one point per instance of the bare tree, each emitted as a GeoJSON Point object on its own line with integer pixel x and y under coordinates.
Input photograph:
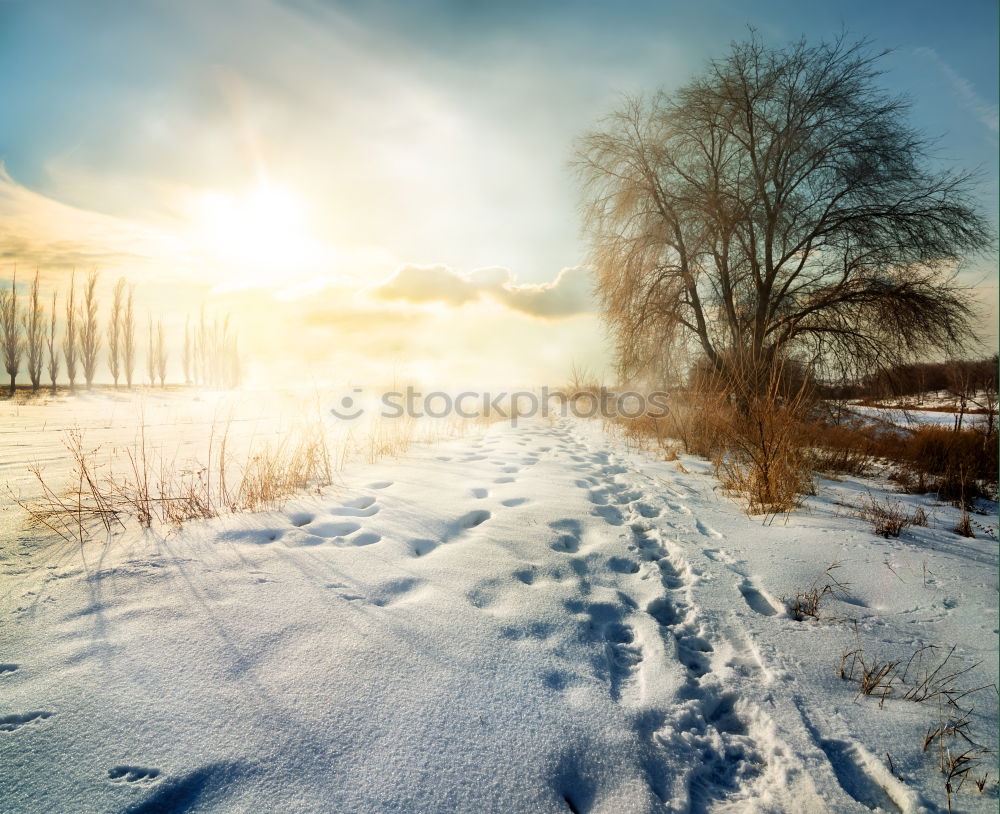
{"type": "Point", "coordinates": [10, 331]}
{"type": "Point", "coordinates": [128, 339]}
{"type": "Point", "coordinates": [187, 358]}
{"type": "Point", "coordinates": [203, 352]}
{"type": "Point", "coordinates": [50, 341]}
{"type": "Point", "coordinates": [150, 352]}
{"type": "Point", "coordinates": [115, 330]}
{"type": "Point", "coordinates": [778, 205]}
{"type": "Point", "coordinates": [34, 335]}
{"type": "Point", "coordinates": [161, 353]}
{"type": "Point", "coordinates": [70, 347]}
{"type": "Point", "coordinates": [90, 338]}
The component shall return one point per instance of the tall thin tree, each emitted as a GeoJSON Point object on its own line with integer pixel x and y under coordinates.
{"type": "Point", "coordinates": [34, 335]}
{"type": "Point", "coordinates": [70, 337]}
{"type": "Point", "coordinates": [52, 347]}
{"type": "Point", "coordinates": [128, 339]}
{"type": "Point", "coordinates": [186, 359]}
{"type": "Point", "coordinates": [161, 353]}
{"type": "Point", "coordinates": [90, 337]}
{"type": "Point", "coordinates": [115, 330]}
{"type": "Point", "coordinates": [150, 352]}
{"type": "Point", "coordinates": [10, 331]}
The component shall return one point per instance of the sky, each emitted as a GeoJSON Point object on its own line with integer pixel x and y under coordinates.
{"type": "Point", "coordinates": [382, 189]}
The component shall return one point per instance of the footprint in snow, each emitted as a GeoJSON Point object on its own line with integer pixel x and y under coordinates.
{"type": "Point", "coordinates": [853, 769]}
{"type": "Point", "coordinates": [514, 501]}
{"type": "Point", "coordinates": [359, 507]}
{"type": "Point", "coordinates": [756, 600]}
{"type": "Point", "coordinates": [472, 519]}
{"type": "Point", "coordinates": [8, 668]}
{"type": "Point", "coordinates": [10, 723]}
{"type": "Point", "coordinates": [133, 774]}
{"type": "Point", "coordinates": [334, 528]}
{"type": "Point", "coordinates": [393, 591]}
{"type": "Point", "coordinates": [480, 493]}
{"type": "Point", "coordinates": [623, 565]}
{"type": "Point", "coordinates": [380, 484]}
{"type": "Point", "coordinates": [646, 510]}
{"type": "Point", "coordinates": [525, 575]}
{"type": "Point", "coordinates": [566, 544]}
{"type": "Point", "coordinates": [611, 514]}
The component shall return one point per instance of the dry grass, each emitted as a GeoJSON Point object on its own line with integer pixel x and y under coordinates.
{"type": "Point", "coordinates": [920, 678]}
{"type": "Point", "coordinates": [806, 604]}
{"type": "Point", "coordinates": [148, 488]}
{"type": "Point", "coordinates": [926, 677]}
{"type": "Point", "coordinates": [889, 518]}
{"type": "Point", "coordinates": [874, 676]}
{"type": "Point", "coordinates": [964, 527]}
{"type": "Point", "coordinates": [958, 765]}
{"type": "Point", "coordinates": [141, 484]}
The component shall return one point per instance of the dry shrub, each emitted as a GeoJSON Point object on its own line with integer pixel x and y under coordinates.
{"type": "Point", "coordinates": [964, 527]}
{"type": "Point", "coordinates": [839, 449]}
{"type": "Point", "coordinates": [749, 423]}
{"type": "Point", "coordinates": [888, 519]}
{"type": "Point", "coordinates": [645, 431]}
{"type": "Point", "coordinates": [765, 460]}
{"type": "Point", "coordinates": [960, 465]}
{"type": "Point", "coordinates": [699, 420]}
{"type": "Point", "coordinates": [83, 504]}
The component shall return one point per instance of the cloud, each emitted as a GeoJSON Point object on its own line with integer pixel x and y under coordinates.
{"type": "Point", "coordinates": [41, 232]}
{"type": "Point", "coordinates": [569, 294]}
{"type": "Point", "coordinates": [982, 109]}
{"type": "Point", "coordinates": [422, 284]}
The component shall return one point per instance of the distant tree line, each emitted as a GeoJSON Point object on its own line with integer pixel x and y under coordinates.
{"type": "Point", "coordinates": [31, 335]}
{"type": "Point", "coordinates": [957, 377]}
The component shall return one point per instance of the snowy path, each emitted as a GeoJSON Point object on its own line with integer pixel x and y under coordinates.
{"type": "Point", "coordinates": [525, 622]}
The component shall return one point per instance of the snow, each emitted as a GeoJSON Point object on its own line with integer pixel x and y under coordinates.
{"type": "Point", "coordinates": [532, 619]}
{"type": "Point", "coordinates": [903, 417]}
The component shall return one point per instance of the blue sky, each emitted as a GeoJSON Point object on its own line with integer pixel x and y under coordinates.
{"type": "Point", "coordinates": [409, 133]}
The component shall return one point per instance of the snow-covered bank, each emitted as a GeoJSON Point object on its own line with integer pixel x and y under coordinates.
{"type": "Point", "coordinates": [531, 621]}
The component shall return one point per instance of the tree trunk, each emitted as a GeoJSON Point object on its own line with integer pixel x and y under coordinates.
{"type": "Point", "coordinates": [12, 377]}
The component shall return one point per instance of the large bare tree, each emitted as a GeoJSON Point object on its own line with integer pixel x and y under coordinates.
{"type": "Point", "coordinates": [11, 340]}
{"type": "Point", "coordinates": [779, 205]}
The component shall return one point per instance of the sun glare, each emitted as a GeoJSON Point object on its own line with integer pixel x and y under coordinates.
{"type": "Point", "coordinates": [257, 237]}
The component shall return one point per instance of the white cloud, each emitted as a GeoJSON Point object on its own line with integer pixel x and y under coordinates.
{"type": "Point", "coordinates": [567, 295]}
